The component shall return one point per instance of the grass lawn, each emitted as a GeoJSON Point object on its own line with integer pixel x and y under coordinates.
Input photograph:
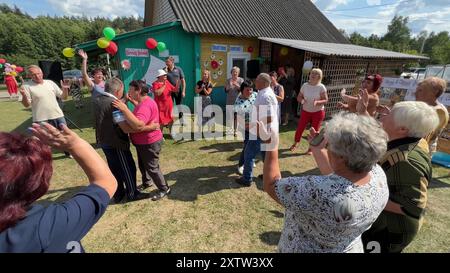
{"type": "Point", "coordinates": [207, 211]}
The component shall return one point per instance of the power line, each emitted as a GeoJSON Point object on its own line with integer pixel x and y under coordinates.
{"type": "Point", "coordinates": [368, 7]}
{"type": "Point", "coordinates": [355, 16]}
{"type": "Point", "coordinates": [378, 19]}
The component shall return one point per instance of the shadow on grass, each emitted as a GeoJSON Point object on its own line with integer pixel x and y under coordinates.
{"type": "Point", "coordinates": [223, 147]}
{"type": "Point", "coordinates": [60, 195]}
{"type": "Point", "coordinates": [76, 118]}
{"type": "Point", "coordinates": [271, 238]}
{"type": "Point", "coordinates": [190, 183]}
{"type": "Point", "coordinates": [436, 183]}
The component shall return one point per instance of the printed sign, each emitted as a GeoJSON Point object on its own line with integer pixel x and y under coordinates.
{"type": "Point", "coordinates": [136, 52]}
{"type": "Point", "coordinates": [219, 48]}
{"type": "Point", "coordinates": [234, 48]}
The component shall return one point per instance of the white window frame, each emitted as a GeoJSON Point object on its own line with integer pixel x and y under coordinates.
{"type": "Point", "coordinates": [237, 55]}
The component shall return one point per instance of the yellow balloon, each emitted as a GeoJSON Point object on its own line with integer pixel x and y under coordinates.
{"type": "Point", "coordinates": [69, 52]}
{"type": "Point", "coordinates": [13, 67]}
{"type": "Point", "coordinates": [103, 42]}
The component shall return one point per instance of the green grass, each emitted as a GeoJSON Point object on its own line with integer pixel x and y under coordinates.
{"type": "Point", "coordinates": [207, 211]}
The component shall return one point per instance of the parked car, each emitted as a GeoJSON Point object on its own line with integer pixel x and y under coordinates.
{"type": "Point", "coordinates": [417, 73]}
{"type": "Point", "coordinates": [70, 74]}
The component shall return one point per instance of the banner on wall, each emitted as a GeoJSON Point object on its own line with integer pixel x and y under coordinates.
{"type": "Point", "coordinates": [398, 89]}
{"type": "Point", "coordinates": [136, 52]}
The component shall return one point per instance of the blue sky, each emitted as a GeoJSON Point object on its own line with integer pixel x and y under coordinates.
{"type": "Point", "coordinates": [364, 16]}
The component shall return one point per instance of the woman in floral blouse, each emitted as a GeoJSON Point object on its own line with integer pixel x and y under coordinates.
{"type": "Point", "coordinates": [329, 212]}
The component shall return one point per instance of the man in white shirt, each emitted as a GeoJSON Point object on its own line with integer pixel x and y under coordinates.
{"type": "Point", "coordinates": [42, 96]}
{"type": "Point", "coordinates": [265, 111]}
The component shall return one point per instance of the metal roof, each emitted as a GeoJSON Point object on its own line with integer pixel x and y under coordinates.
{"type": "Point", "coordinates": [291, 19]}
{"type": "Point", "coordinates": [342, 50]}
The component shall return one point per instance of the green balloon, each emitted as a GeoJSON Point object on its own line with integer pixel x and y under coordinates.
{"type": "Point", "coordinates": [161, 46]}
{"type": "Point", "coordinates": [109, 33]}
{"type": "Point", "coordinates": [1, 66]}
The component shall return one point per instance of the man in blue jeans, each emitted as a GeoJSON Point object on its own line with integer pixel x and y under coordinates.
{"type": "Point", "coordinates": [265, 111]}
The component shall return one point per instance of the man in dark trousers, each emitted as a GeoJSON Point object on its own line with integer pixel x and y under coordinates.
{"type": "Point", "coordinates": [114, 142]}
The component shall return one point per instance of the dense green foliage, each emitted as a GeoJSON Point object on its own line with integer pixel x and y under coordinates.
{"type": "Point", "coordinates": [398, 38]}
{"type": "Point", "coordinates": [25, 40]}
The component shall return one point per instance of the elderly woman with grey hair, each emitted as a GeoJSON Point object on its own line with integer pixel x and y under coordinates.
{"type": "Point", "coordinates": [408, 170]}
{"type": "Point", "coordinates": [329, 212]}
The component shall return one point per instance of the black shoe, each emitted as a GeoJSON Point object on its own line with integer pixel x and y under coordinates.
{"type": "Point", "coordinates": [161, 194]}
{"type": "Point", "coordinates": [144, 186]}
{"type": "Point", "coordinates": [242, 182]}
{"type": "Point", "coordinates": [118, 199]}
{"type": "Point", "coordinates": [139, 196]}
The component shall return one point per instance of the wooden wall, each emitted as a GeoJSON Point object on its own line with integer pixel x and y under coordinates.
{"type": "Point", "coordinates": [208, 40]}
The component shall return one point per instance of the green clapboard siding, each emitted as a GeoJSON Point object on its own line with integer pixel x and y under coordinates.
{"type": "Point", "coordinates": [178, 42]}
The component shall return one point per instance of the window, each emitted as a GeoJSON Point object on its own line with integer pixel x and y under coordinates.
{"type": "Point", "coordinates": [239, 60]}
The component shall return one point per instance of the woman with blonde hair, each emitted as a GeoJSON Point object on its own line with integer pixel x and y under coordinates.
{"type": "Point", "coordinates": [204, 88]}
{"type": "Point", "coordinates": [313, 96]}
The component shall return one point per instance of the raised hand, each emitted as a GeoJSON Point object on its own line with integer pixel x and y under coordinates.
{"type": "Point", "coordinates": [120, 105]}
{"type": "Point", "coordinates": [363, 102]}
{"type": "Point", "coordinates": [82, 54]}
{"type": "Point", "coordinates": [64, 139]}
{"type": "Point", "coordinates": [65, 84]}
{"type": "Point", "coordinates": [312, 134]}
{"type": "Point", "coordinates": [383, 110]}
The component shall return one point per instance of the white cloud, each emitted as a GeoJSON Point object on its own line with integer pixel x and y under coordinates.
{"type": "Point", "coordinates": [373, 2]}
{"type": "Point", "coordinates": [332, 4]}
{"type": "Point", "coordinates": [103, 8]}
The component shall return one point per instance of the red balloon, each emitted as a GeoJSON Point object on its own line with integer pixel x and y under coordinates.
{"type": "Point", "coordinates": [250, 49]}
{"type": "Point", "coordinates": [19, 69]}
{"type": "Point", "coordinates": [151, 43]}
{"type": "Point", "coordinates": [112, 48]}
{"type": "Point", "coordinates": [2, 61]}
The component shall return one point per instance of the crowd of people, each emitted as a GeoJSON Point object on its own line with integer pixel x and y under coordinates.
{"type": "Point", "coordinates": [374, 160]}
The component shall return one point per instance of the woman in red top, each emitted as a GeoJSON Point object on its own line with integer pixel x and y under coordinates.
{"type": "Point", "coordinates": [163, 90]}
{"type": "Point", "coordinates": [11, 84]}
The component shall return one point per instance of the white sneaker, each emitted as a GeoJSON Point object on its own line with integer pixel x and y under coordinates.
{"type": "Point", "coordinates": [241, 170]}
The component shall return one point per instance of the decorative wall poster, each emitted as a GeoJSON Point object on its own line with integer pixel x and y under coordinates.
{"type": "Point", "coordinates": [152, 71]}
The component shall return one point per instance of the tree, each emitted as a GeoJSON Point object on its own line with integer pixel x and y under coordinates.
{"type": "Point", "coordinates": [358, 39]}
{"type": "Point", "coordinates": [398, 33]}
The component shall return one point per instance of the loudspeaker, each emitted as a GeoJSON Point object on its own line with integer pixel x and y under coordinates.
{"type": "Point", "coordinates": [52, 71]}
{"type": "Point", "coordinates": [253, 69]}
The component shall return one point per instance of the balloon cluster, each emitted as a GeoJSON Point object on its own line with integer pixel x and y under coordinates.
{"type": "Point", "coordinates": [152, 44]}
{"type": "Point", "coordinates": [10, 69]}
{"type": "Point", "coordinates": [104, 42]}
